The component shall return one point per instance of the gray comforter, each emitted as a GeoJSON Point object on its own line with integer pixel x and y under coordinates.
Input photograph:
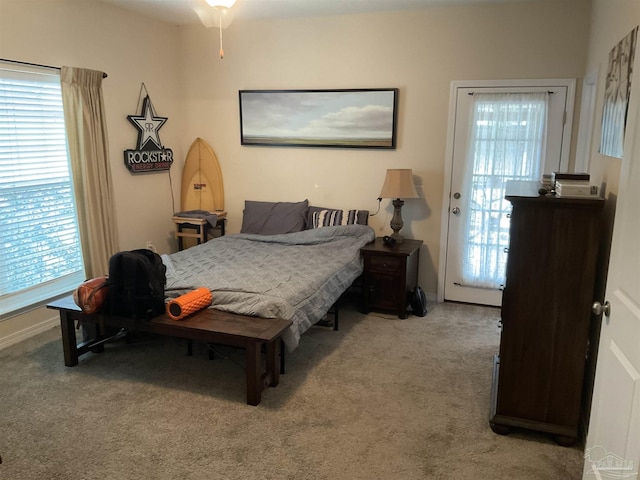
{"type": "Point", "coordinates": [296, 276]}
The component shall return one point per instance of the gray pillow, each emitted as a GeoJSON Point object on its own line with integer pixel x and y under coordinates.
{"type": "Point", "coordinates": [273, 218]}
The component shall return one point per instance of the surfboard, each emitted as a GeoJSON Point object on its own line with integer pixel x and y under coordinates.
{"type": "Point", "coordinates": [202, 187]}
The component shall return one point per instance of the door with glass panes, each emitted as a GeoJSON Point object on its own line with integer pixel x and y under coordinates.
{"type": "Point", "coordinates": [500, 134]}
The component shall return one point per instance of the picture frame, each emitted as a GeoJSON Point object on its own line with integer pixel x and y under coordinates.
{"type": "Point", "coordinates": [344, 118]}
{"type": "Point", "coordinates": [616, 95]}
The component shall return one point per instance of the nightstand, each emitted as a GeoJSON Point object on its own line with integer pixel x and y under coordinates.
{"type": "Point", "coordinates": [198, 228]}
{"type": "Point", "coordinates": [390, 273]}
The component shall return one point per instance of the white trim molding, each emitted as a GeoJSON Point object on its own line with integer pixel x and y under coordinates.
{"type": "Point", "coordinates": [31, 331]}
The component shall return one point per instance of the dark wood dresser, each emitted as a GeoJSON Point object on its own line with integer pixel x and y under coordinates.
{"type": "Point", "coordinates": [546, 310]}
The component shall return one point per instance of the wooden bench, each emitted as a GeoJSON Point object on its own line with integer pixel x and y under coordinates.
{"type": "Point", "coordinates": [208, 325]}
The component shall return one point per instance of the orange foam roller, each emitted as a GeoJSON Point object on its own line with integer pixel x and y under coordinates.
{"type": "Point", "coordinates": [191, 302]}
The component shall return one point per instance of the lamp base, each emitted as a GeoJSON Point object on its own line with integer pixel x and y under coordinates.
{"type": "Point", "coordinates": [397, 237]}
{"type": "Point", "coordinates": [396, 221]}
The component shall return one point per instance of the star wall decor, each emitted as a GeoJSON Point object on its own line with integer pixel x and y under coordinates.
{"type": "Point", "coordinates": [150, 155]}
{"type": "Point", "coordinates": [148, 125]}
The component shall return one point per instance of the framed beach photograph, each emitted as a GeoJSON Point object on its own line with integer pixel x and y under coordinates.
{"type": "Point", "coordinates": [354, 118]}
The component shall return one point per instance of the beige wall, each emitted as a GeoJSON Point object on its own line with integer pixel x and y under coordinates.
{"type": "Point", "coordinates": [132, 50]}
{"type": "Point", "coordinates": [418, 52]}
{"type": "Point", "coordinates": [612, 20]}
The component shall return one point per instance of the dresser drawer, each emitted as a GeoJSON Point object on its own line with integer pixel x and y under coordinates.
{"type": "Point", "coordinates": [384, 263]}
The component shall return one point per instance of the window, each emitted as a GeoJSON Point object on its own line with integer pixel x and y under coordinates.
{"type": "Point", "coordinates": [40, 255]}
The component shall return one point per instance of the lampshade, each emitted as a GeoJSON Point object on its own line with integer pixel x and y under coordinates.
{"type": "Point", "coordinates": [399, 184]}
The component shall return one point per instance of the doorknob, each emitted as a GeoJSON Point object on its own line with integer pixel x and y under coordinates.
{"type": "Point", "coordinates": [598, 308]}
{"type": "Point", "coordinates": [455, 211]}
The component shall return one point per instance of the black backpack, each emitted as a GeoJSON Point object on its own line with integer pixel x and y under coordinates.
{"type": "Point", "coordinates": [136, 284]}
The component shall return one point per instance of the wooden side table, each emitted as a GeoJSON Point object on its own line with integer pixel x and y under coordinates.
{"type": "Point", "coordinates": [197, 228]}
{"type": "Point", "coordinates": [390, 273]}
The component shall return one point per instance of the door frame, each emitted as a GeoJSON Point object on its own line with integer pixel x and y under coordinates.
{"type": "Point", "coordinates": [586, 122]}
{"type": "Point", "coordinates": [569, 83]}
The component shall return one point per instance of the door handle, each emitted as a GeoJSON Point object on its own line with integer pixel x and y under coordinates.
{"type": "Point", "coordinates": [599, 308]}
{"type": "Point", "coordinates": [455, 211]}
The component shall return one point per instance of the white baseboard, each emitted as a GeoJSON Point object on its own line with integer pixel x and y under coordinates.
{"type": "Point", "coordinates": [28, 332]}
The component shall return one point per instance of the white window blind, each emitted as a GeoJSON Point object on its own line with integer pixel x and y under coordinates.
{"type": "Point", "coordinates": [40, 254]}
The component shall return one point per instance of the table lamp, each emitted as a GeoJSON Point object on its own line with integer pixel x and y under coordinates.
{"type": "Point", "coordinates": [398, 184]}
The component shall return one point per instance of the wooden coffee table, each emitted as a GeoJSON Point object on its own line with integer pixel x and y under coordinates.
{"type": "Point", "coordinates": [208, 325]}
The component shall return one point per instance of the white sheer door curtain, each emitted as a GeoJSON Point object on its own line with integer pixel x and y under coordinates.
{"type": "Point", "coordinates": [507, 142]}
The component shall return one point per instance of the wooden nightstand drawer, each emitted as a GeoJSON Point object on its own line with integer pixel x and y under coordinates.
{"type": "Point", "coordinates": [385, 263]}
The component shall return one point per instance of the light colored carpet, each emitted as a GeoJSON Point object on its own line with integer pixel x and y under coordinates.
{"type": "Point", "coordinates": [382, 398]}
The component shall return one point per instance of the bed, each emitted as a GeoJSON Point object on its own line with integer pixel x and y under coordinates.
{"type": "Point", "coordinates": [290, 261]}
{"type": "Point", "coordinates": [289, 265]}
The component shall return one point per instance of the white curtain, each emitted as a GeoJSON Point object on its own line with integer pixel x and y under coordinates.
{"type": "Point", "coordinates": [507, 142]}
{"type": "Point", "coordinates": [88, 150]}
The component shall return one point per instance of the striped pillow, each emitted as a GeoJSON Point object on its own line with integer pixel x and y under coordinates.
{"type": "Point", "coordinates": [351, 218]}
{"type": "Point", "coordinates": [329, 218]}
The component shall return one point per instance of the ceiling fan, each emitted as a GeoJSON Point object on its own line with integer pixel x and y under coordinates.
{"type": "Point", "coordinates": [217, 13]}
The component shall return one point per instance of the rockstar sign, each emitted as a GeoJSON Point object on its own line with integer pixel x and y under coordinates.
{"type": "Point", "coordinates": [150, 155]}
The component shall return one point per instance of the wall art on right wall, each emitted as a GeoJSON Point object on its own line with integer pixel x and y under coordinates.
{"type": "Point", "coordinates": [616, 95]}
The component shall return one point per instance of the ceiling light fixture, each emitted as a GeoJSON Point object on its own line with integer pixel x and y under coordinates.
{"type": "Point", "coordinates": [221, 3]}
{"type": "Point", "coordinates": [221, 6]}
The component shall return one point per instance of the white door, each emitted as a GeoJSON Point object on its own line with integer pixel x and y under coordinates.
{"type": "Point", "coordinates": [499, 134]}
{"type": "Point", "coordinates": [613, 441]}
